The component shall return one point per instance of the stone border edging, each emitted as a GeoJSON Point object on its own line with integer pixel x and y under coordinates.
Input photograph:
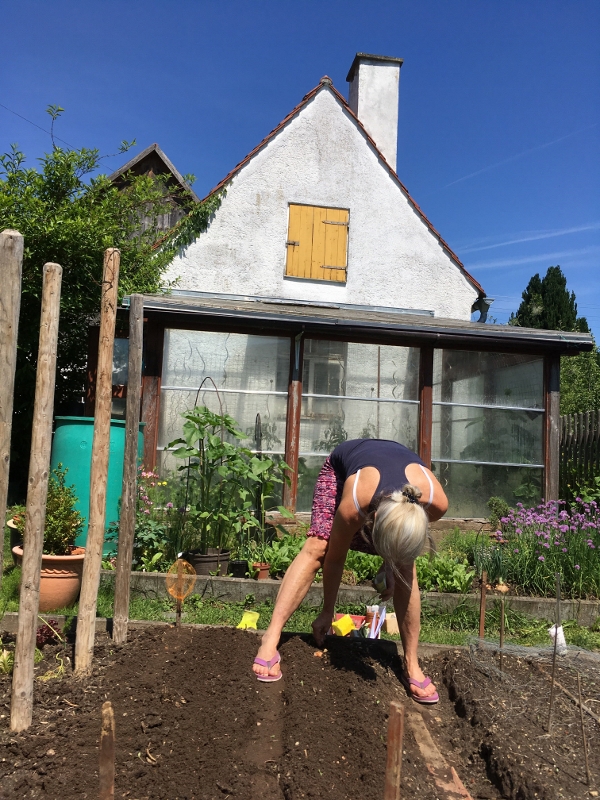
{"type": "Point", "coordinates": [235, 590]}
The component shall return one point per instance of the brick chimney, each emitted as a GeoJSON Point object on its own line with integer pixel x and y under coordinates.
{"type": "Point", "coordinates": [373, 96]}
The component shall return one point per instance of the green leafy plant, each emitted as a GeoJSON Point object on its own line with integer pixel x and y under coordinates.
{"type": "Point", "coordinates": [363, 565]}
{"type": "Point", "coordinates": [230, 488]}
{"type": "Point", "coordinates": [498, 508]}
{"type": "Point", "coordinates": [63, 523]}
{"type": "Point", "coordinates": [444, 574]}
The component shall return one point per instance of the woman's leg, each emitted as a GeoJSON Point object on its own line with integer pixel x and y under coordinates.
{"type": "Point", "coordinates": [301, 573]}
{"type": "Point", "coordinates": [296, 583]}
{"type": "Point", "coordinates": [407, 604]}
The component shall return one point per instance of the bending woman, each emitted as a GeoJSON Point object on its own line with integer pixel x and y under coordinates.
{"type": "Point", "coordinates": [376, 496]}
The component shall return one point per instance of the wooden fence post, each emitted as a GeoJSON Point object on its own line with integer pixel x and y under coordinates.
{"type": "Point", "coordinates": [393, 768]}
{"type": "Point", "coordinates": [129, 495]}
{"type": "Point", "coordinates": [86, 618]}
{"type": "Point", "coordinates": [11, 263]}
{"type": "Point", "coordinates": [106, 771]}
{"type": "Point", "coordinates": [21, 708]}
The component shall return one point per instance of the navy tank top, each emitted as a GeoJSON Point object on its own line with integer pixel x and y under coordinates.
{"type": "Point", "coordinates": [388, 457]}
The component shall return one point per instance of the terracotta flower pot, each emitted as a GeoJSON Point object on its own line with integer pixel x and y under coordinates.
{"type": "Point", "coordinates": [60, 579]}
{"type": "Point", "coordinates": [263, 570]}
{"type": "Point", "coordinates": [15, 537]}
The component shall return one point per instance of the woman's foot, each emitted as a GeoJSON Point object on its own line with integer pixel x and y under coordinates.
{"type": "Point", "coordinates": [420, 685]}
{"type": "Point", "coordinates": [267, 652]}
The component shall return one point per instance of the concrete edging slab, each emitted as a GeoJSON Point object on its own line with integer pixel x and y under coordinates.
{"type": "Point", "coordinates": [236, 590]}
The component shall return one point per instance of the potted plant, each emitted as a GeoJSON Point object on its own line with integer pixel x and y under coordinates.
{"type": "Point", "coordinates": [214, 505]}
{"type": "Point", "coordinates": [62, 560]}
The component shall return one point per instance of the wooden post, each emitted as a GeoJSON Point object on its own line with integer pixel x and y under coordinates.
{"type": "Point", "coordinates": [552, 433]}
{"type": "Point", "coordinates": [129, 494]}
{"type": "Point", "coordinates": [11, 263]}
{"type": "Point", "coordinates": [107, 753]}
{"type": "Point", "coordinates": [292, 431]}
{"type": "Point", "coordinates": [151, 387]}
{"type": "Point", "coordinates": [21, 708]}
{"type": "Point", "coordinates": [86, 618]}
{"type": "Point", "coordinates": [425, 403]}
{"type": "Point", "coordinates": [393, 767]}
{"type": "Point", "coordinates": [482, 605]}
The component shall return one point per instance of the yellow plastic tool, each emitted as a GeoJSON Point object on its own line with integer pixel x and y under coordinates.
{"type": "Point", "coordinates": [249, 620]}
{"type": "Point", "coordinates": [343, 626]}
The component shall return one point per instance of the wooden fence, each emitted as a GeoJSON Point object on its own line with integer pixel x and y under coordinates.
{"type": "Point", "coordinates": [579, 451]}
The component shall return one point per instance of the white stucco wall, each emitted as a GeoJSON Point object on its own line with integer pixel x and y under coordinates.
{"type": "Point", "coordinates": [373, 96]}
{"type": "Point", "coordinates": [322, 158]}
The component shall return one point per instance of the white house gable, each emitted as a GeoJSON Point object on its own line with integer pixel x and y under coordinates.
{"type": "Point", "coordinates": [322, 157]}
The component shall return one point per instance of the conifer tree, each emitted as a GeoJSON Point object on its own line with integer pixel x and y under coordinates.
{"type": "Point", "coordinates": [548, 304]}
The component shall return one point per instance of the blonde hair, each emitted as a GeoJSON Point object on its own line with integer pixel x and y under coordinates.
{"type": "Point", "coordinates": [401, 527]}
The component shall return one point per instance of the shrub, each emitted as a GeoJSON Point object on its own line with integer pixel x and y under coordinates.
{"type": "Point", "coordinates": [63, 522]}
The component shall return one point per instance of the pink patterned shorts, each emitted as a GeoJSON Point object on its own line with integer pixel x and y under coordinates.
{"type": "Point", "coordinates": [326, 499]}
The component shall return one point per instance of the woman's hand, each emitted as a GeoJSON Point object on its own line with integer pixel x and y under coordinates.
{"type": "Point", "coordinates": [390, 579]}
{"type": "Point", "coordinates": [321, 626]}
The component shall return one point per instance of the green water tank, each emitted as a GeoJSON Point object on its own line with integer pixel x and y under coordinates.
{"type": "Point", "coordinates": [72, 447]}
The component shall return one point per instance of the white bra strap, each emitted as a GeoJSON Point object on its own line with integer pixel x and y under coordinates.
{"type": "Point", "coordinates": [356, 503]}
{"type": "Point", "coordinates": [430, 501]}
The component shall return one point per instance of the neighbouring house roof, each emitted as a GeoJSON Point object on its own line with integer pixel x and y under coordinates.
{"type": "Point", "coordinates": [326, 84]}
{"type": "Point", "coordinates": [152, 160]}
{"type": "Point", "coordinates": [189, 309]}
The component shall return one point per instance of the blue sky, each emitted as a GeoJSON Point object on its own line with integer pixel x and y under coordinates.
{"type": "Point", "coordinates": [499, 127]}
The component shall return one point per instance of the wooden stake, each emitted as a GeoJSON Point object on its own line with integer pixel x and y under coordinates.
{"type": "Point", "coordinates": [11, 264]}
{"type": "Point", "coordinates": [393, 767]}
{"type": "Point", "coordinates": [107, 753]}
{"type": "Point", "coordinates": [556, 627]}
{"type": "Point", "coordinates": [21, 709]}
{"type": "Point", "coordinates": [129, 495]}
{"type": "Point", "coordinates": [86, 619]}
{"type": "Point", "coordinates": [501, 631]}
{"type": "Point", "coordinates": [482, 605]}
{"type": "Point", "coordinates": [583, 736]}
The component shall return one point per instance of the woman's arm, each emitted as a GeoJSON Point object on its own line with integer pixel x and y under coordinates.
{"type": "Point", "coordinates": [345, 524]}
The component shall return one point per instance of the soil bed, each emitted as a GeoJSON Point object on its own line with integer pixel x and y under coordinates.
{"type": "Point", "coordinates": [192, 722]}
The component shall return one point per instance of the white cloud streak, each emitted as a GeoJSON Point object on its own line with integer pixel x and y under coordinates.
{"type": "Point", "coordinates": [518, 155]}
{"type": "Point", "coordinates": [533, 236]}
{"type": "Point", "coordinates": [550, 258]}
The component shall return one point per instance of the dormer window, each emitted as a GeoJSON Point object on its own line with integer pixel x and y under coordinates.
{"type": "Point", "coordinates": [317, 243]}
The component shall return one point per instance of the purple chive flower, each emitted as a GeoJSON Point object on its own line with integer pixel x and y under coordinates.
{"type": "Point", "coordinates": [515, 551]}
{"type": "Point", "coordinates": [577, 566]}
{"type": "Point", "coordinates": [541, 558]}
{"type": "Point", "coordinates": [564, 549]}
{"type": "Point", "coordinates": [169, 505]}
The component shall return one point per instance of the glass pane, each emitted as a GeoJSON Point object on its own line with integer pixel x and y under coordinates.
{"type": "Point", "coordinates": [328, 422]}
{"type": "Point", "coordinates": [471, 433]}
{"type": "Point", "coordinates": [232, 360]}
{"type": "Point", "coordinates": [351, 391]}
{"type": "Point", "coordinates": [499, 379]}
{"type": "Point", "coordinates": [246, 370]}
{"type": "Point", "coordinates": [120, 362]}
{"type": "Point", "coordinates": [469, 486]}
{"type": "Point", "coordinates": [308, 472]}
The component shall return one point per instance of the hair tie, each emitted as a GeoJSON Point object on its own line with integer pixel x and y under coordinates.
{"type": "Point", "coordinates": [410, 497]}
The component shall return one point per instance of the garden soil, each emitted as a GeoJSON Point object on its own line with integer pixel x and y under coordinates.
{"type": "Point", "coordinates": [192, 722]}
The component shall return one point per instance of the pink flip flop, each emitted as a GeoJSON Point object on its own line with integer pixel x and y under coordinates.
{"type": "Point", "coordinates": [427, 701]}
{"type": "Point", "coordinates": [269, 665]}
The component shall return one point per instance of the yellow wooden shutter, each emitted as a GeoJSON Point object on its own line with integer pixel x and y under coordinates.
{"type": "Point", "coordinates": [317, 245]}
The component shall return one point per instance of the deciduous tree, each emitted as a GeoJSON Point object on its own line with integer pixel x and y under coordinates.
{"type": "Point", "coordinates": [69, 213]}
